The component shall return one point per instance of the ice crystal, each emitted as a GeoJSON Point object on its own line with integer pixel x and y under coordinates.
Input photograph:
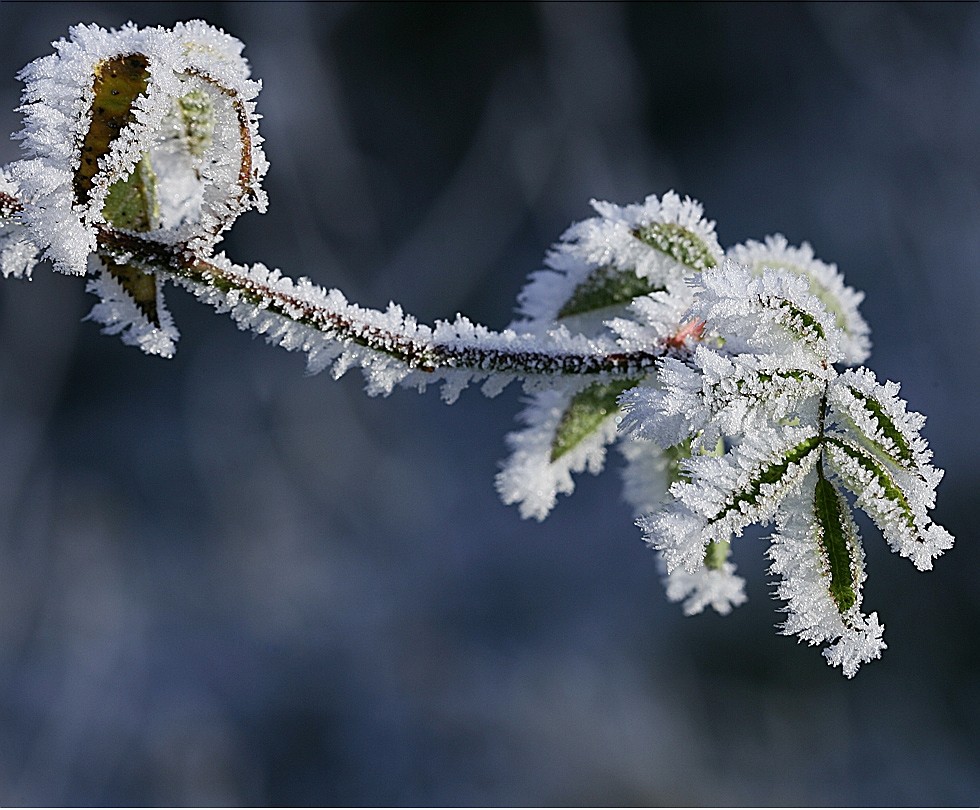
{"type": "Point", "coordinates": [825, 282]}
{"type": "Point", "coordinates": [610, 260]}
{"type": "Point", "coordinates": [18, 254]}
{"type": "Point", "coordinates": [714, 371]}
{"type": "Point", "coordinates": [141, 129]}
{"type": "Point", "coordinates": [800, 558]}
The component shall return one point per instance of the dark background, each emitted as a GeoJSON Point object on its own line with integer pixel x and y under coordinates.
{"type": "Point", "coordinates": [224, 583]}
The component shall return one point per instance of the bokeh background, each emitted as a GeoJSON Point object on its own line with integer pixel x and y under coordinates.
{"type": "Point", "coordinates": [222, 582]}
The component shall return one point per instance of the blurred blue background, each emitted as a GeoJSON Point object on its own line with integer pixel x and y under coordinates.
{"type": "Point", "coordinates": [224, 583]}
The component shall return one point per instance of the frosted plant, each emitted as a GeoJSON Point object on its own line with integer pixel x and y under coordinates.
{"type": "Point", "coordinates": [716, 373]}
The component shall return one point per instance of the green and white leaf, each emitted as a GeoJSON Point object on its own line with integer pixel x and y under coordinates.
{"type": "Point", "coordinates": [774, 314]}
{"type": "Point", "coordinates": [625, 253]}
{"type": "Point", "coordinates": [585, 413]}
{"type": "Point", "coordinates": [824, 280]}
{"type": "Point", "coordinates": [874, 416]}
{"type": "Point", "coordinates": [566, 431]}
{"type": "Point", "coordinates": [817, 554]}
{"type": "Point", "coordinates": [747, 484]}
{"type": "Point", "coordinates": [897, 503]}
{"type": "Point", "coordinates": [838, 544]}
{"type": "Point", "coordinates": [723, 495]}
{"type": "Point", "coordinates": [605, 287]}
{"type": "Point", "coordinates": [683, 245]}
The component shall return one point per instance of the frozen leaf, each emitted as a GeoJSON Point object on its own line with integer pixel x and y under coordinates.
{"type": "Point", "coordinates": [586, 411]}
{"type": "Point", "coordinates": [898, 504]}
{"type": "Point", "coordinates": [113, 111]}
{"type": "Point", "coordinates": [770, 314]}
{"type": "Point", "coordinates": [682, 244]}
{"type": "Point", "coordinates": [623, 254]}
{"type": "Point", "coordinates": [604, 287]}
{"type": "Point", "coordinates": [825, 281]}
{"type": "Point", "coordinates": [874, 415]}
{"type": "Point", "coordinates": [817, 554]}
{"type": "Point", "coordinates": [119, 81]}
{"type": "Point", "coordinates": [130, 305]}
{"type": "Point", "coordinates": [566, 431]}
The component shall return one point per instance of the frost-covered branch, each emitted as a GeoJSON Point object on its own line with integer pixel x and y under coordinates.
{"type": "Point", "coordinates": [301, 314]}
{"type": "Point", "coordinates": [715, 372]}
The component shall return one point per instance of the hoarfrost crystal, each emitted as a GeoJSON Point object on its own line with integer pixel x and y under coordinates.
{"type": "Point", "coordinates": [714, 372]}
{"type": "Point", "coordinates": [146, 130]}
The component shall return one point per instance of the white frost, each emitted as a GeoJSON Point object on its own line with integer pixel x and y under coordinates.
{"type": "Point", "coordinates": [529, 477]}
{"type": "Point", "coordinates": [608, 240]}
{"type": "Point", "coordinates": [717, 588]}
{"type": "Point", "coordinates": [119, 315]}
{"type": "Point", "coordinates": [811, 612]}
{"type": "Point", "coordinates": [825, 280]}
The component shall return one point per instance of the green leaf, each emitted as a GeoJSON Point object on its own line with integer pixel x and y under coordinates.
{"type": "Point", "coordinates": [677, 242]}
{"type": "Point", "coordinates": [588, 409]}
{"type": "Point", "coordinates": [892, 491]}
{"type": "Point", "coordinates": [716, 554]}
{"type": "Point", "coordinates": [606, 286]}
{"type": "Point", "coordinates": [118, 81]}
{"type": "Point", "coordinates": [838, 535]}
{"type": "Point", "coordinates": [770, 474]}
{"type": "Point", "coordinates": [887, 427]}
{"type": "Point", "coordinates": [197, 115]}
{"type": "Point", "coordinates": [809, 326]}
{"type": "Point", "coordinates": [132, 202]}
